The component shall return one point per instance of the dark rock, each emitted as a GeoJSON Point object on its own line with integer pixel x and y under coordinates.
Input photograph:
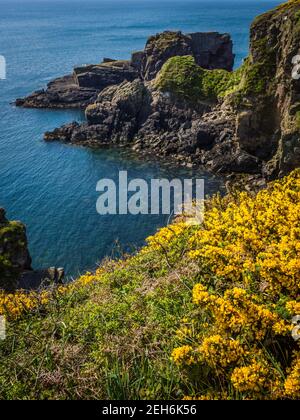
{"type": "Point", "coordinates": [61, 93]}
{"type": "Point", "coordinates": [136, 60]}
{"type": "Point", "coordinates": [33, 280]}
{"type": "Point", "coordinates": [100, 76]}
{"type": "Point", "coordinates": [210, 50]}
{"type": "Point", "coordinates": [63, 134]}
{"type": "Point", "coordinates": [3, 220]}
{"type": "Point", "coordinates": [15, 260]}
{"type": "Point", "coordinates": [14, 254]}
{"type": "Point", "coordinates": [108, 60]}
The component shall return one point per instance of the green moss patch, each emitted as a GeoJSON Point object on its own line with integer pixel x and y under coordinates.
{"type": "Point", "coordinates": [12, 243]}
{"type": "Point", "coordinates": [183, 77]}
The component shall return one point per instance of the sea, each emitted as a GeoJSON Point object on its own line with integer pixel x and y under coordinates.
{"type": "Point", "coordinates": [52, 187]}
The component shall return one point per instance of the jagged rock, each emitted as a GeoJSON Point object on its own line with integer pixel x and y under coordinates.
{"type": "Point", "coordinates": [3, 220]}
{"type": "Point", "coordinates": [103, 75]}
{"type": "Point", "coordinates": [272, 93]}
{"type": "Point", "coordinates": [32, 280]}
{"type": "Point", "coordinates": [80, 89]}
{"type": "Point", "coordinates": [61, 93]}
{"type": "Point", "coordinates": [210, 50]}
{"type": "Point", "coordinates": [136, 60]}
{"type": "Point", "coordinates": [242, 121]}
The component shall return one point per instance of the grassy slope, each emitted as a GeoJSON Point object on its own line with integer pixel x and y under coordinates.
{"type": "Point", "coordinates": [111, 334]}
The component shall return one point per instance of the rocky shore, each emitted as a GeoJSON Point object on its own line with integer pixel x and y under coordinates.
{"type": "Point", "coordinates": [180, 100]}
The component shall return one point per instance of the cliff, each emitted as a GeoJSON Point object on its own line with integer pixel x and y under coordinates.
{"type": "Point", "coordinates": [15, 260]}
{"type": "Point", "coordinates": [245, 121]}
{"type": "Point", "coordinates": [14, 255]}
{"type": "Point", "coordinates": [211, 50]}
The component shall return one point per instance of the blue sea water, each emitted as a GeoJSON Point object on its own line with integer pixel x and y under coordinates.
{"type": "Point", "coordinates": [52, 187]}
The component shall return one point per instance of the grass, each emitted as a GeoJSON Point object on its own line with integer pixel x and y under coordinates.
{"type": "Point", "coordinates": [112, 337]}
{"type": "Point", "coordinates": [111, 334]}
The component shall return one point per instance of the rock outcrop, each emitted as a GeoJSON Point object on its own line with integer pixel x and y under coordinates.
{"type": "Point", "coordinates": [211, 51]}
{"type": "Point", "coordinates": [61, 93]}
{"type": "Point", "coordinates": [15, 260]}
{"type": "Point", "coordinates": [106, 74]}
{"type": "Point", "coordinates": [245, 121]}
{"type": "Point", "coordinates": [78, 90]}
{"type": "Point", "coordinates": [41, 279]}
{"type": "Point", "coordinates": [180, 100]}
{"type": "Point", "coordinates": [14, 255]}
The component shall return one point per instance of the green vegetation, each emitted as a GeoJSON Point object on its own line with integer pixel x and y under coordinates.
{"type": "Point", "coordinates": [12, 244]}
{"type": "Point", "coordinates": [297, 119]}
{"type": "Point", "coordinates": [282, 8]}
{"type": "Point", "coordinates": [201, 312]}
{"type": "Point", "coordinates": [182, 76]}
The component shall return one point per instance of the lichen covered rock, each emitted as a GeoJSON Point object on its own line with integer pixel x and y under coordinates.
{"type": "Point", "coordinates": [14, 254]}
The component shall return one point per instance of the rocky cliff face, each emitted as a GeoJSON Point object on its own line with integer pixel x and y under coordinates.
{"type": "Point", "coordinates": [15, 260]}
{"type": "Point", "coordinates": [211, 50]}
{"type": "Point", "coordinates": [268, 119]}
{"type": "Point", "coordinates": [14, 255]}
{"type": "Point", "coordinates": [184, 104]}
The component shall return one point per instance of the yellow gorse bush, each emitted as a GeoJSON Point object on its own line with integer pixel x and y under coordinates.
{"type": "Point", "coordinates": [20, 303]}
{"type": "Point", "coordinates": [245, 258]}
{"type": "Point", "coordinates": [255, 240]}
{"type": "Point", "coordinates": [241, 346]}
{"type": "Point", "coordinates": [248, 253]}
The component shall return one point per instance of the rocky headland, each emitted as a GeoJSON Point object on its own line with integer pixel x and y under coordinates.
{"type": "Point", "coordinates": [180, 99]}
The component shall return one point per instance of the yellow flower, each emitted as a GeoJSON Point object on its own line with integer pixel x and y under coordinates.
{"type": "Point", "coordinates": [183, 355]}
{"type": "Point", "coordinates": [292, 382]}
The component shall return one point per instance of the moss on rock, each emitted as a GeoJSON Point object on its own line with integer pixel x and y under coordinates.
{"type": "Point", "coordinates": [183, 77]}
{"type": "Point", "coordinates": [14, 256]}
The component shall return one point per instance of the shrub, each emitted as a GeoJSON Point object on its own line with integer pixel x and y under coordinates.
{"type": "Point", "coordinates": [201, 312]}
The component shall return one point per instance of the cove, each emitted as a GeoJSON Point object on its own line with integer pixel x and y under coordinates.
{"type": "Point", "coordinates": [52, 187]}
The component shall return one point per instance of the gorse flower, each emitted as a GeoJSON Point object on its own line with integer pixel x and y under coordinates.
{"type": "Point", "coordinates": [16, 305]}
{"type": "Point", "coordinates": [243, 265]}
{"type": "Point", "coordinates": [255, 240]}
{"type": "Point", "coordinates": [183, 355]}
{"type": "Point", "coordinates": [255, 379]}
{"type": "Point", "coordinates": [292, 383]}
{"type": "Point", "coordinates": [248, 253]}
